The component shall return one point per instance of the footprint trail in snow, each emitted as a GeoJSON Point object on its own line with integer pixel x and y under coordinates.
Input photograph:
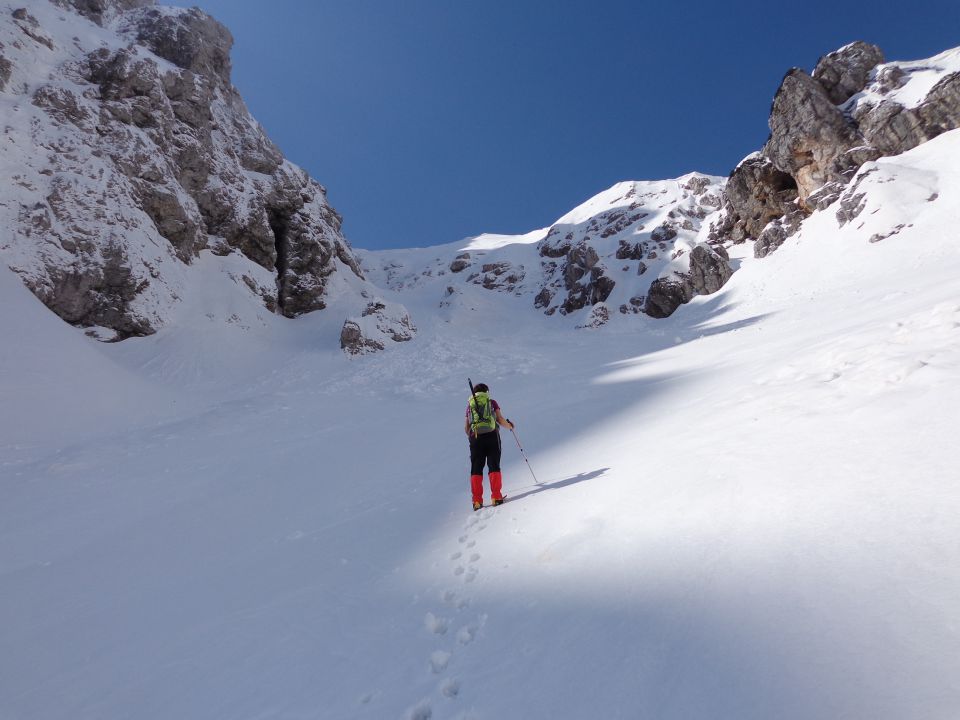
{"type": "Point", "coordinates": [465, 568]}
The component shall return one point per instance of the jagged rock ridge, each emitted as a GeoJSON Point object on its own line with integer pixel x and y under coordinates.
{"type": "Point", "coordinates": [853, 108]}
{"type": "Point", "coordinates": [636, 248]}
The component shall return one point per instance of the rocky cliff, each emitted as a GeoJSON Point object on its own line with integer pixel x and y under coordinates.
{"type": "Point", "coordinates": [131, 154]}
{"type": "Point", "coordinates": [853, 108]}
{"type": "Point", "coordinates": [132, 161]}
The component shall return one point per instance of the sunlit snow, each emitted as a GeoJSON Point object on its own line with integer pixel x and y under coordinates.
{"type": "Point", "coordinates": [746, 510]}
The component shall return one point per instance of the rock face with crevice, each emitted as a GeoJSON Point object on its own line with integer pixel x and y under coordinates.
{"type": "Point", "coordinates": [824, 126]}
{"type": "Point", "coordinates": [145, 157]}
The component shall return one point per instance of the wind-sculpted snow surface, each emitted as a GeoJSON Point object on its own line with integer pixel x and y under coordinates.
{"type": "Point", "coordinates": [745, 510]}
{"type": "Point", "coordinates": [130, 154]}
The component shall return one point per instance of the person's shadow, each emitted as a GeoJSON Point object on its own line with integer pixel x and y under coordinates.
{"type": "Point", "coordinates": [540, 487]}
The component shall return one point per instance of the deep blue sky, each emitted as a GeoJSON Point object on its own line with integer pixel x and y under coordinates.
{"type": "Point", "coordinates": [432, 120]}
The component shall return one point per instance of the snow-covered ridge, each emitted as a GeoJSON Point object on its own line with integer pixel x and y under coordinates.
{"type": "Point", "coordinates": [617, 254]}
{"type": "Point", "coordinates": [907, 83]}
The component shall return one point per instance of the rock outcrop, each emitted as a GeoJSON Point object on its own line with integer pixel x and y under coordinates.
{"type": "Point", "coordinates": [893, 128]}
{"type": "Point", "coordinates": [145, 156]}
{"type": "Point", "coordinates": [503, 275]}
{"type": "Point", "coordinates": [708, 272]}
{"type": "Point", "coordinates": [758, 192]}
{"type": "Point", "coordinates": [809, 135]}
{"type": "Point", "coordinates": [379, 324]}
{"type": "Point", "coordinates": [101, 11]}
{"type": "Point", "coordinates": [845, 72]}
{"type": "Point", "coordinates": [610, 242]}
{"type": "Point", "coordinates": [823, 127]}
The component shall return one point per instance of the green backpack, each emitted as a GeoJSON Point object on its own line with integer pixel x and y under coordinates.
{"type": "Point", "coordinates": [482, 418]}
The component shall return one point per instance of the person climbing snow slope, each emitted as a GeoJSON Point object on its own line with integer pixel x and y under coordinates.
{"type": "Point", "coordinates": [481, 425]}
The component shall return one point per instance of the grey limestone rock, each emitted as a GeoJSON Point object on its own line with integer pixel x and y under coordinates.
{"type": "Point", "coordinates": [697, 184]}
{"type": "Point", "coordinates": [175, 217]}
{"type": "Point", "coordinates": [95, 294]}
{"type": "Point", "coordinates": [380, 322]}
{"type": "Point", "coordinates": [665, 296]}
{"type": "Point", "coordinates": [627, 250]}
{"type": "Point", "coordinates": [664, 232]}
{"type": "Point", "coordinates": [822, 132]}
{"type": "Point", "coordinates": [601, 286]}
{"type": "Point", "coordinates": [584, 279]}
{"type": "Point", "coordinates": [757, 192]}
{"type": "Point", "coordinates": [30, 27]}
{"type": "Point", "coordinates": [460, 263]}
{"type": "Point", "coordinates": [191, 40]}
{"type": "Point", "coordinates": [779, 229]}
{"type": "Point", "coordinates": [500, 276]}
{"type": "Point", "coordinates": [826, 195]}
{"type": "Point", "coordinates": [353, 342]}
{"type": "Point", "coordinates": [557, 243]}
{"type": "Point", "coordinates": [6, 70]}
{"type": "Point", "coordinates": [889, 78]}
{"type": "Point", "coordinates": [543, 298]}
{"type": "Point", "coordinates": [708, 272]}
{"type": "Point", "coordinates": [893, 128]}
{"type": "Point", "coordinates": [598, 317]}
{"type": "Point", "coordinates": [808, 132]}
{"type": "Point", "coordinates": [180, 160]}
{"type": "Point", "coordinates": [580, 260]}
{"type": "Point", "coordinates": [102, 10]}
{"type": "Point", "coordinates": [64, 104]}
{"type": "Point", "coordinates": [845, 72]}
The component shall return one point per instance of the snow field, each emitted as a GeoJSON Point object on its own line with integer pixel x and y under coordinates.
{"type": "Point", "coordinates": [746, 510]}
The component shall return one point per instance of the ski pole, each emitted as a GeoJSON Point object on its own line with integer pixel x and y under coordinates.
{"type": "Point", "coordinates": [529, 467]}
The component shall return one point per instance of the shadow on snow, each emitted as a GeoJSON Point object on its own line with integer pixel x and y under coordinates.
{"type": "Point", "coordinates": [541, 487]}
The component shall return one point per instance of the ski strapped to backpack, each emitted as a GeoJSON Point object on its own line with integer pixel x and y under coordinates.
{"type": "Point", "coordinates": [482, 418]}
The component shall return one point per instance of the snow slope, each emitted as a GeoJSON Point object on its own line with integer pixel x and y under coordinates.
{"type": "Point", "coordinates": [746, 510]}
{"type": "Point", "coordinates": [918, 79]}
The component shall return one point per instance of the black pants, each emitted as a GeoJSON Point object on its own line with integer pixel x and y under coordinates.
{"type": "Point", "coordinates": [485, 450]}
